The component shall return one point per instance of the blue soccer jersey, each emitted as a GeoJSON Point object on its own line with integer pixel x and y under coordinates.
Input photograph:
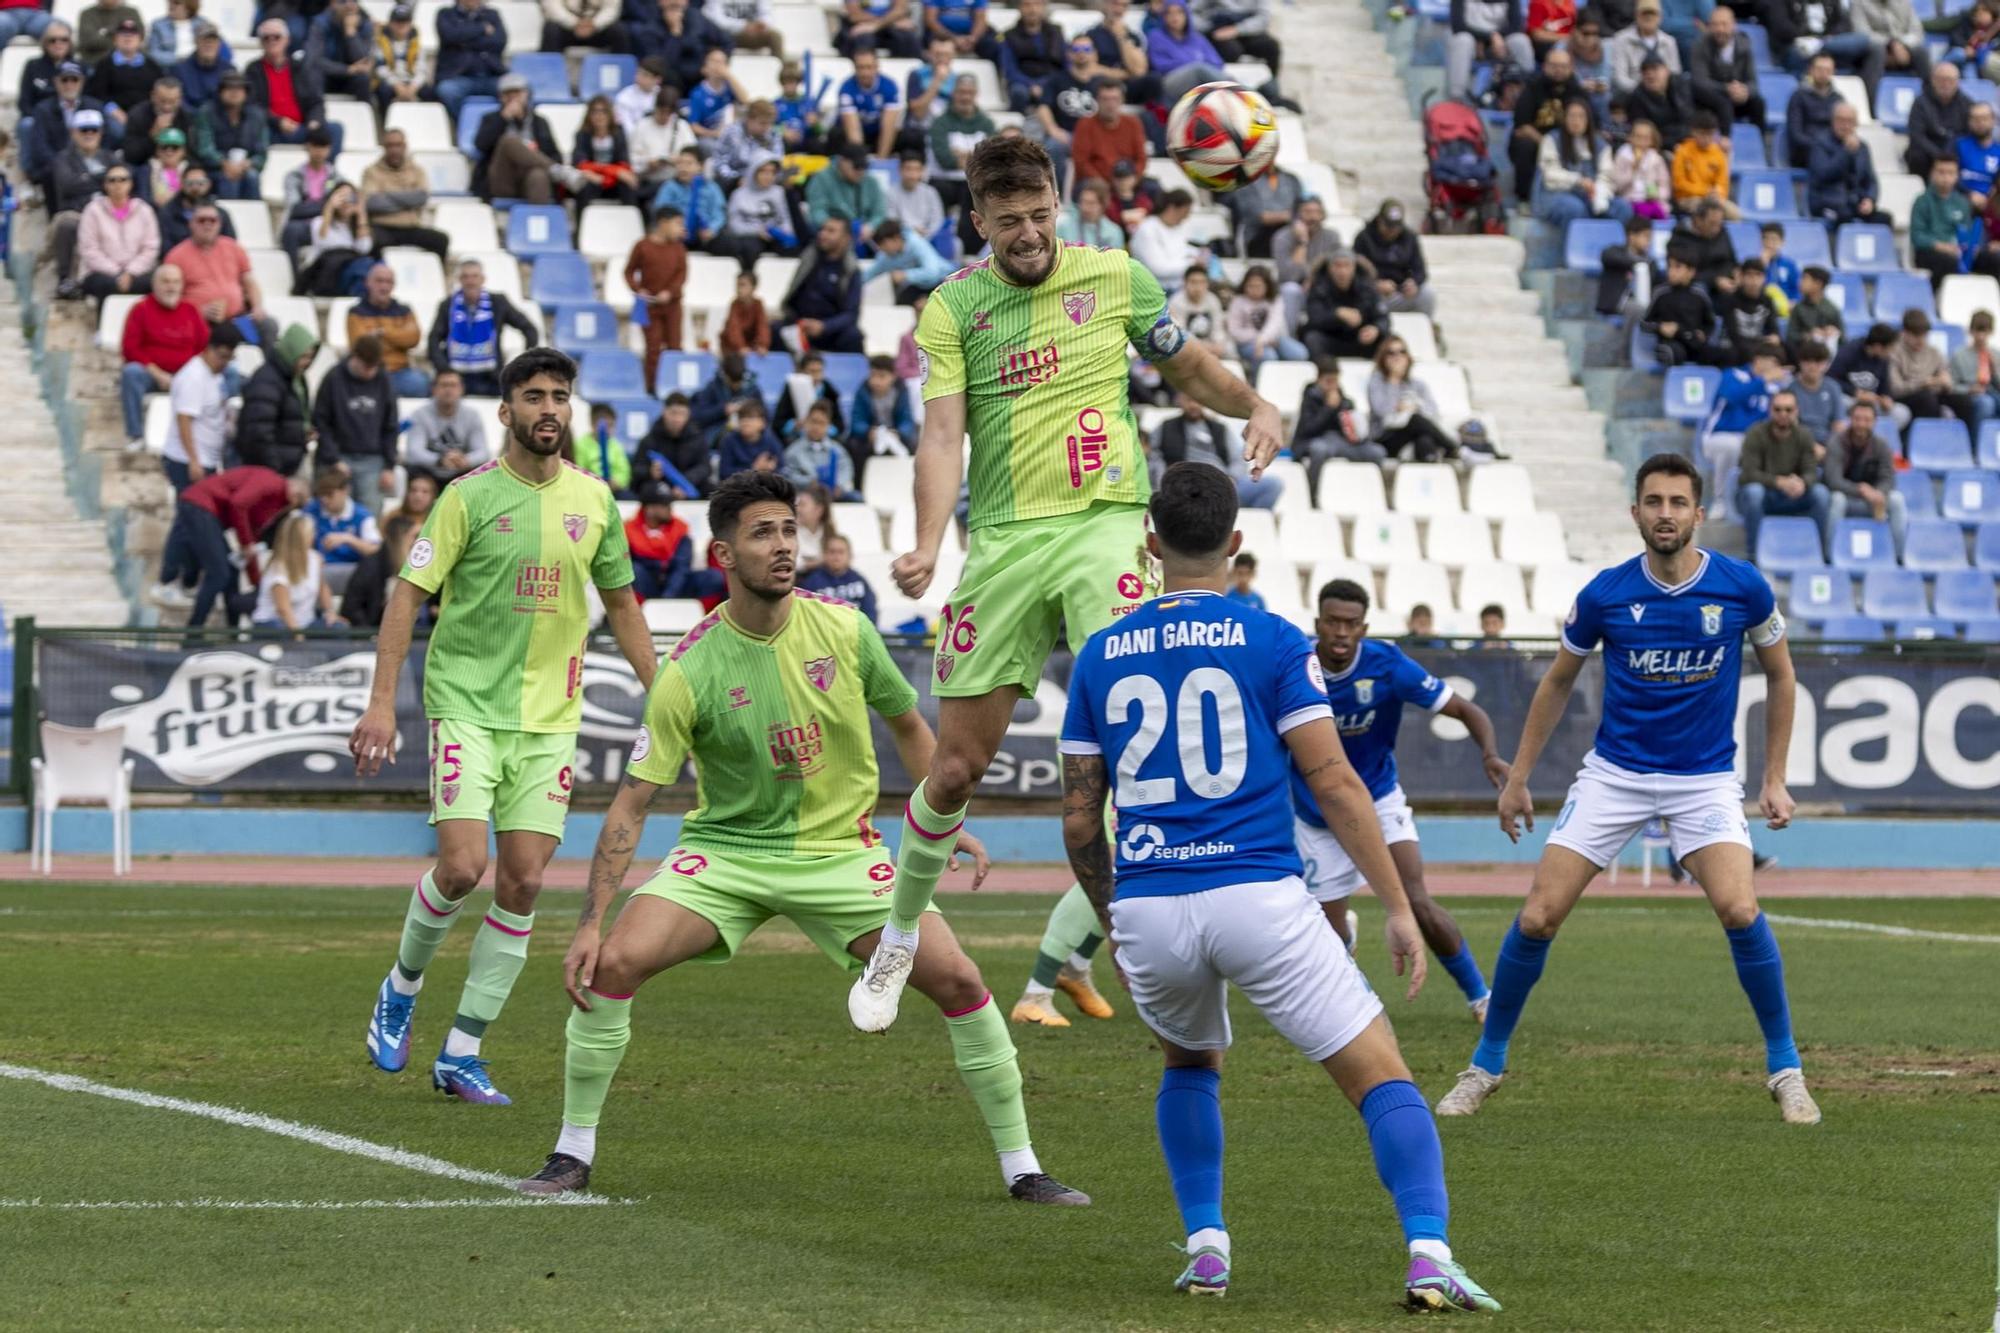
{"type": "Point", "coordinates": [1367, 701]}
{"type": "Point", "coordinates": [1672, 659]}
{"type": "Point", "coordinates": [868, 103]}
{"type": "Point", "coordinates": [705, 105]}
{"type": "Point", "coordinates": [1188, 700]}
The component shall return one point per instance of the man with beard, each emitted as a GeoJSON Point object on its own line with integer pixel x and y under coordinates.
{"type": "Point", "coordinates": [1027, 347]}
{"type": "Point", "coordinates": [1672, 622]}
{"type": "Point", "coordinates": [510, 546]}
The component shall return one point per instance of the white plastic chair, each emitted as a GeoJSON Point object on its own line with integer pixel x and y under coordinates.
{"type": "Point", "coordinates": [1386, 539]}
{"type": "Point", "coordinates": [1351, 490]}
{"type": "Point", "coordinates": [252, 222]}
{"type": "Point", "coordinates": [1425, 489]}
{"type": "Point", "coordinates": [82, 766]}
{"type": "Point", "coordinates": [671, 615]}
{"type": "Point", "coordinates": [1459, 541]}
{"type": "Point", "coordinates": [425, 126]}
{"type": "Point", "coordinates": [609, 231]}
{"type": "Point", "coordinates": [1500, 489]}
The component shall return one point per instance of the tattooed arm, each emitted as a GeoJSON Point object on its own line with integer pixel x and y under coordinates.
{"type": "Point", "coordinates": [617, 841]}
{"type": "Point", "coordinates": [1084, 834]}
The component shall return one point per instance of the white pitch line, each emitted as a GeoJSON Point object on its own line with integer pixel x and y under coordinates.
{"type": "Point", "coordinates": [310, 1205]}
{"type": "Point", "coordinates": [1876, 928]}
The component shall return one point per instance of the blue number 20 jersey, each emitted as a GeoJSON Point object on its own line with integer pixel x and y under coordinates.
{"type": "Point", "coordinates": [1672, 660]}
{"type": "Point", "coordinates": [1367, 701]}
{"type": "Point", "coordinates": [1188, 699]}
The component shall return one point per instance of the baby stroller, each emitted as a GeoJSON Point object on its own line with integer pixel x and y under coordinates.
{"type": "Point", "coordinates": [1459, 178]}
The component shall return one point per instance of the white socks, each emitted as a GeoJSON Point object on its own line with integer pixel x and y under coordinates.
{"type": "Point", "coordinates": [1018, 1162]}
{"type": "Point", "coordinates": [1430, 1249]}
{"type": "Point", "coordinates": [1078, 963]}
{"type": "Point", "coordinates": [1036, 991]}
{"type": "Point", "coordinates": [1210, 1238]}
{"type": "Point", "coordinates": [578, 1141]}
{"type": "Point", "coordinates": [457, 1044]}
{"type": "Point", "coordinates": [893, 936]}
{"type": "Point", "coordinates": [402, 987]}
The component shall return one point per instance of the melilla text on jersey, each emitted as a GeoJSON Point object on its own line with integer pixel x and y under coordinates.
{"type": "Point", "coordinates": [1175, 634]}
{"type": "Point", "coordinates": [1676, 666]}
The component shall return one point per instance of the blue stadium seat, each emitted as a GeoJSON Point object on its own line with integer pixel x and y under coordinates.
{"type": "Point", "coordinates": [1986, 547]}
{"type": "Point", "coordinates": [1933, 545]}
{"type": "Point", "coordinates": [1760, 44]}
{"type": "Point", "coordinates": [1894, 96]}
{"type": "Point", "coordinates": [1861, 544]}
{"type": "Point", "coordinates": [1766, 194]}
{"type": "Point", "coordinates": [1971, 496]}
{"type": "Point", "coordinates": [538, 229]}
{"type": "Point", "coordinates": [1777, 89]}
{"type": "Point", "coordinates": [1746, 146]}
{"type": "Point", "coordinates": [1989, 445]}
{"type": "Point", "coordinates": [547, 73]}
{"type": "Point", "coordinates": [1919, 496]}
{"type": "Point", "coordinates": [1938, 444]}
{"type": "Point", "coordinates": [635, 416]}
{"type": "Point", "coordinates": [1852, 629]}
{"type": "Point", "coordinates": [1893, 594]}
{"type": "Point", "coordinates": [1947, 338]}
{"type": "Point", "coordinates": [1897, 292]}
{"type": "Point", "coordinates": [1784, 544]}
{"type": "Point", "coordinates": [1866, 247]}
{"type": "Point", "coordinates": [561, 278]}
{"type": "Point", "coordinates": [771, 369]}
{"type": "Point", "coordinates": [1924, 628]}
{"type": "Point", "coordinates": [610, 374]}
{"type": "Point", "coordinates": [1847, 292]}
{"type": "Point", "coordinates": [1820, 593]}
{"type": "Point", "coordinates": [1586, 239]}
{"type": "Point", "coordinates": [1805, 243]}
{"type": "Point", "coordinates": [1745, 238]}
{"type": "Point", "coordinates": [1688, 393]}
{"type": "Point", "coordinates": [684, 372]}
{"type": "Point", "coordinates": [606, 74]}
{"type": "Point", "coordinates": [1985, 629]}
{"type": "Point", "coordinates": [1975, 90]}
{"type": "Point", "coordinates": [470, 113]}
{"type": "Point", "coordinates": [584, 326]}
{"type": "Point", "coordinates": [1966, 594]}
{"type": "Point", "coordinates": [847, 372]}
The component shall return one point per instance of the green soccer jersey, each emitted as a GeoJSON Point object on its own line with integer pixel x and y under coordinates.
{"type": "Point", "coordinates": [1045, 373]}
{"type": "Point", "coordinates": [511, 558]}
{"type": "Point", "coordinates": [784, 755]}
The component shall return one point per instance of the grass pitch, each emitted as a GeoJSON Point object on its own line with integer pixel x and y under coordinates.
{"type": "Point", "coordinates": [788, 1173]}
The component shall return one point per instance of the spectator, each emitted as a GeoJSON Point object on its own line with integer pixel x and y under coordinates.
{"type": "Point", "coordinates": [1781, 275]}
{"type": "Point", "coordinates": [1939, 115]}
{"type": "Point", "coordinates": [232, 138]}
{"type": "Point", "coordinates": [1809, 115]}
{"type": "Point", "coordinates": [1821, 403]}
{"type": "Point", "coordinates": [1591, 61]}
{"type": "Point", "coordinates": [1121, 49]}
{"type": "Point", "coordinates": [165, 108]}
{"type": "Point", "coordinates": [676, 451]}
{"type": "Point", "coordinates": [465, 334]}
{"type": "Point", "coordinates": [926, 90]}
{"type": "Point", "coordinates": [177, 214]}
{"type": "Point", "coordinates": [849, 193]}
{"type": "Point", "coordinates": [340, 44]}
{"type": "Point", "coordinates": [803, 388]}
{"type": "Point", "coordinates": [402, 67]}
{"type": "Point", "coordinates": [1133, 197]}
{"type": "Point", "coordinates": [1663, 100]}
{"type": "Point", "coordinates": [355, 415]}
{"type": "Point", "coordinates": [366, 595]}
{"type": "Point", "coordinates": [472, 54]}
{"type": "Point", "coordinates": [394, 191]}
{"type": "Point", "coordinates": [567, 23]}
{"type": "Point", "coordinates": [663, 551]}
{"type": "Point", "coordinates": [55, 126]}
{"type": "Point", "coordinates": [1085, 222]}
{"type": "Point", "coordinates": [697, 198]}
{"type": "Point", "coordinates": [335, 259]}
{"type": "Point", "coordinates": [1708, 248]}
{"type": "Point", "coordinates": [913, 201]}
{"type": "Point", "coordinates": [1644, 40]}
{"type": "Point", "coordinates": [1241, 30]}
{"type": "Point", "coordinates": [1404, 413]}
{"type": "Point", "coordinates": [1483, 30]}
{"type": "Point", "coordinates": [1946, 236]}
{"type": "Point", "coordinates": [272, 429]}
{"type": "Point", "coordinates": [1298, 251]}
{"type": "Point", "coordinates": [1256, 323]}
{"type": "Point", "coordinates": [746, 25]}
{"type": "Point", "coordinates": [1538, 113]}
{"type": "Point", "coordinates": [815, 510]}
{"type": "Point", "coordinates": [747, 328]}
{"type": "Point", "coordinates": [1199, 312]}
{"type": "Point", "coordinates": [1701, 168]}
{"type": "Point", "coordinates": [1918, 377]}
{"type": "Point", "coordinates": [1104, 139]}
{"type": "Point", "coordinates": [343, 532]}
{"type": "Point", "coordinates": [1163, 242]}
{"type": "Point", "coordinates": [1573, 173]}
{"type": "Point", "coordinates": [1344, 317]}
{"type": "Point", "coordinates": [1724, 73]}
{"type": "Point", "coordinates": [1180, 57]}
{"type": "Point", "coordinates": [879, 25]}
{"type": "Point", "coordinates": [1779, 471]}
{"type": "Point", "coordinates": [601, 453]}
{"type": "Point", "coordinates": [746, 140]}
{"type": "Point", "coordinates": [38, 76]}
{"type": "Point", "coordinates": [963, 24]}
{"type": "Point", "coordinates": [883, 421]}
{"type": "Point", "coordinates": [1266, 206]}
{"type": "Point", "coordinates": [1978, 153]}
{"type": "Point", "coordinates": [293, 593]}
{"type": "Point", "coordinates": [1743, 400]}
{"type": "Point", "coordinates": [822, 307]}
{"type": "Point", "coordinates": [1972, 368]}
{"type": "Point", "coordinates": [287, 88]}
{"type": "Point", "coordinates": [1749, 315]}
{"type": "Point", "coordinates": [379, 313]}
{"type": "Point", "coordinates": [1972, 40]}
{"type": "Point", "coordinates": [1862, 369]}
{"type": "Point", "coordinates": [1068, 99]}
{"type": "Point", "coordinates": [658, 139]}
{"type": "Point", "coordinates": [680, 36]}
{"type": "Point", "coordinates": [219, 281]}
{"type": "Point", "coordinates": [1680, 315]}
{"type": "Point", "coordinates": [241, 501]}
{"type": "Point", "coordinates": [1627, 275]}
{"type": "Point", "coordinates": [445, 437]}
{"type": "Point", "coordinates": [760, 215]}
{"type": "Point", "coordinates": [954, 133]}
{"type": "Point", "coordinates": [733, 382]}
{"type": "Point", "coordinates": [602, 159]}
{"type": "Point", "coordinates": [1639, 174]}
{"type": "Point", "coordinates": [817, 458]}
{"type": "Point", "coordinates": [1392, 250]}
{"type": "Point", "coordinates": [201, 71]}
{"type": "Point", "coordinates": [158, 180]}
{"type": "Point", "coordinates": [516, 150]}
{"type": "Point", "coordinates": [1897, 44]}
{"type": "Point", "coordinates": [1860, 473]}
{"type": "Point", "coordinates": [1326, 428]}
{"type": "Point", "coordinates": [194, 444]}
{"type": "Point", "coordinates": [1493, 625]}
{"type": "Point", "coordinates": [1242, 581]}
{"type": "Point", "coordinates": [1418, 623]}
{"type": "Point", "coordinates": [836, 577]}
{"type": "Point", "coordinates": [118, 239]}
{"type": "Point", "coordinates": [77, 174]}
{"type": "Point", "coordinates": [656, 271]}
{"type": "Point", "coordinates": [713, 96]}
{"type": "Point", "coordinates": [640, 98]}
{"type": "Point", "coordinates": [1826, 29]}
{"type": "Point", "coordinates": [124, 78]}
{"type": "Point", "coordinates": [1032, 55]}
{"type": "Point", "coordinates": [307, 186]}
{"type": "Point", "coordinates": [1815, 318]}
{"type": "Point", "coordinates": [745, 442]}
{"type": "Point", "coordinates": [1196, 437]}
{"type": "Point", "coordinates": [162, 333]}
{"type": "Point", "coordinates": [913, 264]}
{"type": "Point", "coordinates": [869, 115]}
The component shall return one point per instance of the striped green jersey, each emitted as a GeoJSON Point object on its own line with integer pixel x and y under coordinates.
{"type": "Point", "coordinates": [511, 558]}
{"type": "Point", "coordinates": [784, 754]}
{"type": "Point", "coordinates": [1044, 372]}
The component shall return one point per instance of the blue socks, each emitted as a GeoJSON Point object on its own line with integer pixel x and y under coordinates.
{"type": "Point", "coordinates": [1464, 969]}
{"type": "Point", "coordinates": [1189, 1112]}
{"type": "Point", "coordinates": [1515, 973]}
{"type": "Point", "coordinates": [1762, 971]}
{"type": "Point", "coordinates": [1408, 1157]}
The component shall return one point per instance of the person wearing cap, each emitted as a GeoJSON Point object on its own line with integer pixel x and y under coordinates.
{"type": "Point", "coordinates": [848, 192]}
{"type": "Point", "coordinates": [164, 109]}
{"type": "Point", "coordinates": [118, 239]}
{"type": "Point", "coordinates": [1397, 257]}
{"type": "Point", "coordinates": [1483, 31]}
{"type": "Point", "coordinates": [200, 73]}
{"type": "Point", "coordinates": [822, 307]}
{"type": "Point", "coordinates": [402, 65]}
{"type": "Point", "coordinates": [1630, 47]}
{"type": "Point", "coordinates": [232, 139]}
{"type": "Point", "coordinates": [287, 86]}
{"type": "Point", "coordinates": [1107, 134]}
{"type": "Point", "coordinates": [663, 550]}
{"type": "Point", "coordinates": [124, 79]}
{"type": "Point", "coordinates": [516, 150]}
{"type": "Point", "coordinates": [158, 182]}
{"type": "Point", "coordinates": [76, 174]}
{"type": "Point", "coordinates": [170, 38]}
{"type": "Point", "coordinates": [394, 190]}
{"type": "Point", "coordinates": [472, 54]}
{"type": "Point", "coordinates": [96, 27]}
{"type": "Point", "coordinates": [914, 201]}
{"type": "Point", "coordinates": [594, 23]}
{"type": "Point", "coordinates": [888, 26]}
{"type": "Point", "coordinates": [340, 45]}
{"type": "Point", "coordinates": [49, 134]}
{"type": "Point", "coordinates": [1344, 316]}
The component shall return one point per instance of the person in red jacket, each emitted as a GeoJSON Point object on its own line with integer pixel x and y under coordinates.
{"type": "Point", "coordinates": [162, 333]}
{"type": "Point", "coordinates": [662, 554]}
{"type": "Point", "coordinates": [240, 500]}
{"type": "Point", "coordinates": [1100, 142]}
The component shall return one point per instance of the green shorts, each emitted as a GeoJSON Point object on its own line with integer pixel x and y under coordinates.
{"type": "Point", "coordinates": [1023, 581]}
{"type": "Point", "coordinates": [518, 779]}
{"type": "Point", "coordinates": [834, 899]}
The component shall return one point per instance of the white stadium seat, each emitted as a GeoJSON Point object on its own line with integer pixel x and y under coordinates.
{"type": "Point", "coordinates": [159, 420]}
{"type": "Point", "coordinates": [523, 21]}
{"type": "Point", "coordinates": [804, 28]}
{"type": "Point", "coordinates": [449, 172]}
{"type": "Point", "coordinates": [1411, 581]}
{"type": "Point", "coordinates": [859, 524]}
{"type": "Point", "coordinates": [1494, 581]}
{"type": "Point", "coordinates": [1446, 382]}
{"type": "Point", "coordinates": [759, 75]}
{"type": "Point", "coordinates": [279, 162]}
{"type": "Point", "coordinates": [1423, 489]}
{"type": "Point", "coordinates": [1533, 540]}
{"type": "Point", "coordinates": [1499, 489]}
{"type": "Point", "coordinates": [1458, 541]}
{"type": "Point", "coordinates": [358, 145]}
{"type": "Point", "coordinates": [469, 223]}
{"type": "Point", "coordinates": [774, 275]}
{"type": "Point", "coordinates": [564, 119]}
{"type": "Point", "coordinates": [1417, 334]}
{"type": "Point", "coordinates": [424, 124]}
{"type": "Point", "coordinates": [1555, 590]}
{"type": "Point", "coordinates": [1260, 533]}
{"type": "Point", "coordinates": [252, 222]}
{"type": "Point", "coordinates": [889, 482]}
{"type": "Point", "coordinates": [671, 615]}
{"type": "Point", "coordinates": [1284, 383]}
{"type": "Point", "coordinates": [1385, 538]}
{"type": "Point", "coordinates": [503, 274]}
{"type": "Point", "coordinates": [1900, 190]}
{"type": "Point", "coordinates": [1964, 294]}
{"type": "Point", "coordinates": [609, 231]}
{"type": "Point", "coordinates": [272, 268]}
{"type": "Point", "coordinates": [1296, 497]}
{"type": "Point", "coordinates": [1326, 571]}
{"type": "Point", "coordinates": [288, 310]}
{"type": "Point", "coordinates": [883, 327]}
{"type": "Point", "coordinates": [1351, 490]}
{"type": "Point", "coordinates": [1305, 538]}
{"type": "Point", "coordinates": [14, 62]}
{"type": "Point", "coordinates": [419, 276]}
{"type": "Point", "coordinates": [111, 321]}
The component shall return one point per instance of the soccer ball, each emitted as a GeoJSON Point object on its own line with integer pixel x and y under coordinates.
{"type": "Point", "coordinates": [1223, 135]}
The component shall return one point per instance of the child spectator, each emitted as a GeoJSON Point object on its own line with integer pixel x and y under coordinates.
{"type": "Point", "coordinates": [1815, 318]}
{"type": "Point", "coordinates": [798, 112]}
{"type": "Point", "coordinates": [803, 388]}
{"type": "Point", "coordinates": [656, 271]}
{"type": "Point", "coordinates": [748, 327]}
{"type": "Point", "coordinates": [1749, 315]}
{"type": "Point", "coordinates": [1492, 624]}
{"type": "Point", "coordinates": [816, 458]}
{"type": "Point", "coordinates": [1195, 308]}
{"type": "Point", "coordinates": [883, 422]}
{"type": "Point", "coordinates": [709, 102]}
{"type": "Point", "coordinates": [1781, 275]}
{"type": "Point", "coordinates": [1326, 426]}
{"type": "Point", "coordinates": [1639, 174]}
{"type": "Point", "coordinates": [1701, 168]}
{"type": "Point", "coordinates": [1242, 575]}
{"type": "Point", "coordinates": [1256, 323]}
{"type": "Point", "coordinates": [1821, 403]}
{"type": "Point", "coordinates": [837, 577]}
{"type": "Point", "coordinates": [676, 451]}
{"type": "Point", "coordinates": [342, 531]}
{"type": "Point", "coordinates": [293, 593]}
{"type": "Point", "coordinates": [745, 442]}
{"type": "Point", "coordinates": [1946, 237]}
{"type": "Point", "coordinates": [601, 453]}
{"type": "Point", "coordinates": [1419, 624]}
{"type": "Point", "coordinates": [1680, 315]}
{"type": "Point", "coordinates": [1628, 275]}
{"type": "Point", "coordinates": [1972, 367]}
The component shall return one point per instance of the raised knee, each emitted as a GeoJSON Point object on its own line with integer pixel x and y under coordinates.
{"type": "Point", "coordinates": [960, 989]}
{"type": "Point", "coordinates": [457, 876]}
{"type": "Point", "coordinates": [953, 777]}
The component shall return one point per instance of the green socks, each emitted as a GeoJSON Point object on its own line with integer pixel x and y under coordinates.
{"type": "Point", "coordinates": [425, 925]}
{"type": "Point", "coordinates": [499, 951]}
{"type": "Point", "coordinates": [597, 1042]}
{"type": "Point", "coordinates": [1072, 929]}
{"type": "Point", "coordinates": [984, 1054]}
{"type": "Point", "coordinates": [928, 839]}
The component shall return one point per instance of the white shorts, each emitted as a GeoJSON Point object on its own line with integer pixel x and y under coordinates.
{"type": "Point", "coordinates": [1330, 872]}
{"type": "Point", "coordinates": [1607, 805]}
{"type": "Point", "coordinates": [1180, 953]}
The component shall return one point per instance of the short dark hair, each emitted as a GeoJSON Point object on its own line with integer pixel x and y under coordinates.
{"type": "Point", "coordinates": [1770, 347]}
{"type": "Point", "coordinates": [1817, 272]}
{"type": "Point", "coordinates": [328, 480]}
{"type": "Point", "coordinates": [889, 230]}
{"type": "Point", "coordinates": [398, 527]}
{"type": "Point", "coordinates": [1878, 335]}
{"type": "Point", "coordinates": [1769, 227]}
{"type": "Point", "coordinates": [1916, 321]}
{"type": "Point", "coordinates": [1673, 465]}
{"type": "Point", "coordinates": [678, 399]}
{"type": "Point", "coordinates": [820, 408]}
{"type": "Point", "coordinates": [1344, 590]}
{"type": "Point", "coordinates": [1176, 198]}
{"type": "Point", "coordinates": [1194, 509]}
{"type": "Point", "coordinates": [1812, 349]}
{"type": "Point", "coordinates": [1703, 119]}
{"type": "Point", "coordinates": [536, 361]}
{"type": "Point", "coordinates": [1981, 322]}
{"type": "Point", "coordinates": [880, 362]}
{"type": "Point", "coordinates": [367, 350]}
{"type": "Point", "coordinates": [224, 337]}
{"type": "Point", "coordinates": [1007, 166]}
{"type": "Point", "coordinates": [753, 406]}
{"type": "Point", "coordinates": [1752, 262]}
{"type": "Point", "coordinates": [737, 493]}
{"type": "Point", "coordinates": [319, 136]}
{"type": "Point", "coordinates": [1495, 610]}
{"type": "Point", "coordinates": [1244, 560]}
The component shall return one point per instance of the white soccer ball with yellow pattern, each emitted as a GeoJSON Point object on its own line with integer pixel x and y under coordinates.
{"type": "Point", "coordinates": [1223, 135]}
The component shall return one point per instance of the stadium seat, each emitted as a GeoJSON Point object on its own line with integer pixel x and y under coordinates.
{"type": "Point", "coordinates": [1295, 500]}
{"type": "Point", "coordinates": [547, 74]}
{"type": "Point", "coordinates": [1860, 544]}
{"type": "Point", "coordinates": [252, 221]}
{"type": "Point", "coordinates": [1284, 383]}
{"type": "Point", "coordinates": [609, 231]}
{"type": "Point", "coordinates": [858, 523]}
{"type": "Point", "coordinates": [846, 372]}
{"type": "Point", "coordinates": [1894, 95]}
{"type": "Point", "coordinates": [562, 277]}
{"type": "Point", "coordinates": [1988, 447]}
{"type": "Point", "coordinates": [503, 272]}
{"type": "Point", "coordinates": [772, 370]}
{"type": "Point", "coordinates": [585, 326]}
{"type": "Point", "coordinates": [1971, 496]}
{"type": "Point", "coordinates": [1866, 247]}
{"type": "Point", "coordinates": [1851, 298]}
{"type": "Point", "coordinates": [469, 223]}
{"type": "Point", "coordinates": [1499, 489]}
{"type": "Point", "coordinates": [1424, 489]}
{"type": "Point", "coordinates": [1852, 629]}
{"type": "Point", "coordinates": [1938, 444]}
{"type": "Point", "coordinates": [450, 174]}
{"type": "Point", "coordinates": [1409, 582]}
{"type": "Point", "coordinates": [1985, 629]}
{"type": "Point", "coordinates": [883, 327]}
{"type": "Point", "coordinates": [1933, 545]}
{"type": "Point", "coordinates": [889, 482]}
{"type": "Point", "coordinates": [288, 310]}
{"type": "Point", "coordinates": [1417, 332]}
{"type": "Point", "coordinates": [1899, 194]}
{"type": "Point", "coordinates": [1351, 490]}
{"type": "Point", "coordinates": [1788, 543]}
{"type": "Point", "coordinates": [1586, 240]}
{"type": "Point", "coordinates": [635, 416]}
{"type": "Point", "coordinates": [1854, 90]}
{"type": "Point", "coordinates": [1447, 383]}
{"type": "Point", "coordinates": [1986, 547]}
{"type": "Point", "coordinates": [1766, 194]}
{"type": "Point", "coordinates": [111, 318]}
{"type": "Point", "coordinates": [470, 112]}
{"type": "Point", "coordinates": [1925, 628]}
{"type": "Point", "coordinates": [683, 372]}
{"type": "Point", "coordinates": [1897, 292]}
{"type": "Point", "coordinates": [611, 373]}
{"type": "Point", "coordinates": [1820, 594]}
{"type": "Point", "coordinates": [1688, 394]}
{"type": "Point", "coordinates": [1533, 540]}
{"type": "Point", "coordinates": [1893, 594]}
{"type": "Point", "coordinates": [523, 21]}
{"type": "Point", "coordinates": [1919, 496]}
{"type": "Point", "coordinates": [1260, 532]}
{"type": "Point", "coordinates": [424, 124]}
{"type": "Point", "coordinates": [538, 229]}
{"type": "Point", "coordinates": [1458, 541]}
{"type": "Point", "coordinates": [774, 279]}
{"type": "Point", "coordinates": [1494, 581]}
{"type": "Point", "coordinates": [1306, 538]}
{"type": "Point", "coordinates": [358, 145]}
{"type": "Point", "coordinates": [1384, 538]}
{"type": "Point", "coordinates": [605, 74]}
{"type": "Point", "coordinates": [1966, 594]}
{"type": "Point", "coordinates": [1556, 587]}
{"type": "Point", "coordinates": [1326, 571]}
{"type": "Point", "coordinates": [1805, 243]}
{"type": "Point", "coordinates": [1777, 89]}
{"type": "Point", "coordinates": [1965, 294]}
{"type": "Point", "coordinates": [1746, 145]}
{"type": "Point", "coordinates": [671, 615]}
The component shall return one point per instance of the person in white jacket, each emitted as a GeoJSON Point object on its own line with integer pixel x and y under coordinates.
{"type": "Point", "coordinates": [1630, 47]}
{"type": "Point", "coordinates": [658, 139]}
{"type": "Point", "coordinates": [1573, 172]}
{"type": "Point", "coordinates": [1162, 242]}
{"type": "Point", "coordinates": [117, 240]}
